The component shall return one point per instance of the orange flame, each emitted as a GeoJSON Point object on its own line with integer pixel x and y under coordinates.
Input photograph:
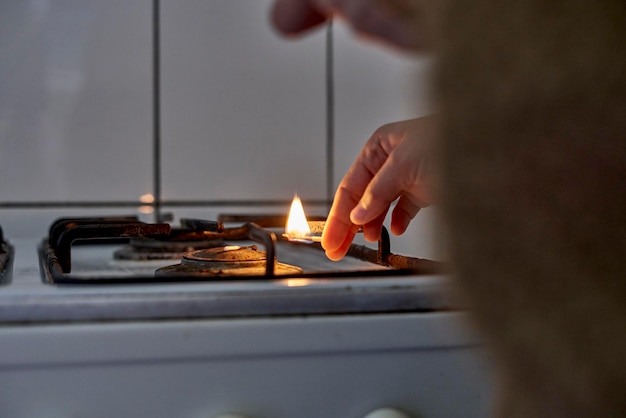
{"type": "Point", "coordinates": [297, 224]}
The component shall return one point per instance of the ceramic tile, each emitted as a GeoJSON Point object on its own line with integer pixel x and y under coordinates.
{"type": "Point", "coordinates": [75, 100]}
{"type": "Point", "coordinates": [243, 109]}
{"type": "Point", "coordinates": [214, 212]}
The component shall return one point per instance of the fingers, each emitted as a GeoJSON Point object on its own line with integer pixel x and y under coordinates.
{"type": "Point", "coordinates": [337, 237]}
{"type": "Point", "coordinates": [374, 202]}
{"type": "Point", "coordinates": [398, 22]}
{"type": "Point", "coordinates": [339, 228]}
{"type": "Point", "coordinates": [403, 214]}
{"type": "Point", "coordinates": [373, 229]}
{"type": "Point", "coordinates": [295, 16]}
{"type": "Point", "coordinates": [391, 166]}
{"type": "Point", "coordinates": [384, 20]}
{"type": "Point", "coordinates": [404, 175]}
{"type": "Point", "coordinates": [384, 187]}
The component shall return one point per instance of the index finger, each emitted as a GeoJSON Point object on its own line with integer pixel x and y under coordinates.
{"type": "Point", "coordinates": [337, 237]}
{"type": "Point", "coordinates": [339, 228]}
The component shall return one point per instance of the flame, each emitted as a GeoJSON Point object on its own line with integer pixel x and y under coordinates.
{"type": "Point", "coordinates": [297, 225]}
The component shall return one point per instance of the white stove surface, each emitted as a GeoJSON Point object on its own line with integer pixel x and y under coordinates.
{"type": "Point", "coordinates": [28, 298]}
{"type": "Point", "coordinates": [170, 350]}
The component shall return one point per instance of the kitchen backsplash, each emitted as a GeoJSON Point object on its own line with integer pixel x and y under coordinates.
{"type": "Point", "coordinates": [243, 111]}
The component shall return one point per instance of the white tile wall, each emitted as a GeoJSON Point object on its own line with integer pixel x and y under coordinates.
{"type": "Point", "coordinates": [243, 111]}
{"type": "Point", "coordinates": [74, 100]}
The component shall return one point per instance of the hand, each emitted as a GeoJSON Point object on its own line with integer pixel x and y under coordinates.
{"type": "Point", "coordinates": [403, 23]}
{"type": "Point", "coordinates": [393, 164]}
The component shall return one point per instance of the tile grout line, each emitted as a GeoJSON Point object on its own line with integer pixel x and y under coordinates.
{"type": "Point", "coordinates": [330, 113]}
{"type": "Point", "coordinates": [156, 107]}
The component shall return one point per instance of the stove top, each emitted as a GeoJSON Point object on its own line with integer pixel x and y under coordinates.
{"type": "Point", "coordinates": [118, 268]}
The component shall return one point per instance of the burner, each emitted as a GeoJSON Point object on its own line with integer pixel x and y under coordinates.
{"type": "Point", "coordinates": [222, 257]}
{"type": "Point", "coordinates": [150, 249]}
{"type": "Point", "coordinates": [229, 260]}
{"type": "Point", "coordinates": [195, 234]}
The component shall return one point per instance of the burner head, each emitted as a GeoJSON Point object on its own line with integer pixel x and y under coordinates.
{"type": "Point", "coordinates": [230, 255]}
{"type": "Point", "coordinates": [140, 249]}
{"type": "Point", "coordinates": [231, 260]}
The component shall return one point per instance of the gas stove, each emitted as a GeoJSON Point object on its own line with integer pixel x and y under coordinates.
{"type": "Point", "coordinates": [227, 318]}
{"type": "Point", "coordinates": [123, 269]}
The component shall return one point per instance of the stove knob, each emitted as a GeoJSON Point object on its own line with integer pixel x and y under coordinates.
{"type": "Point", "coordinates": [386, 413]}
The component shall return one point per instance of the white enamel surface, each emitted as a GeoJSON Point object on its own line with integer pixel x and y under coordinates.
{"type": "Point", "coordinates": [333, 367]}
{"type": "Point", "coordinates": [427, 364]}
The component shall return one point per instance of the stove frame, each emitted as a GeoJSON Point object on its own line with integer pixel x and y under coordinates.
{"type": "Point", "coordinates": [55, 251]}
{"type": "Point", "coordinates": [7, 254]}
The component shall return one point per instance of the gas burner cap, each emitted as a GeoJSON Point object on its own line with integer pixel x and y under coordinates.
{"type": "Point", "coordinates": [231, 260]}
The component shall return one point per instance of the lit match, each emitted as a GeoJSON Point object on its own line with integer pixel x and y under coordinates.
{"type": "Point", "coordinates": [298, 229]}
